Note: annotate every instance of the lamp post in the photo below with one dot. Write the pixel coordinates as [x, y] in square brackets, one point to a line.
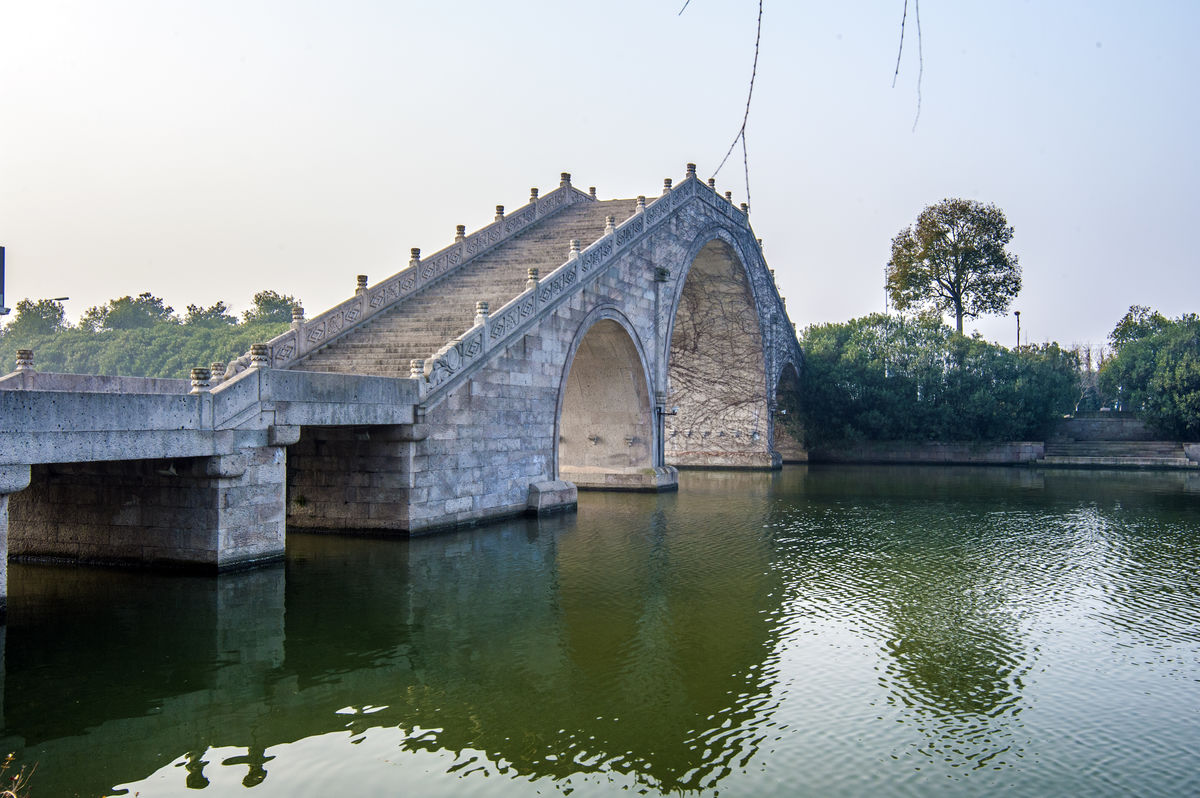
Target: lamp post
[3, 310]
[1017, 313]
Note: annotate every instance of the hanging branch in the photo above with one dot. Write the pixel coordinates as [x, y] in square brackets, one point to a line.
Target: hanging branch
[920, 62]
[900, 52]
[920, 55]
[741, 134]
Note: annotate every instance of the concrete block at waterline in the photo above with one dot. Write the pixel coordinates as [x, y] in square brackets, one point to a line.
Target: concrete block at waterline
[552, 496]
[1192, 450]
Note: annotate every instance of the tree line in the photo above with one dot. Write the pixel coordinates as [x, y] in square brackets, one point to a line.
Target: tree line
[140, 336]
[885, 377]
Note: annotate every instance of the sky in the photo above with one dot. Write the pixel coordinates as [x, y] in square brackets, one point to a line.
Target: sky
[207, 151]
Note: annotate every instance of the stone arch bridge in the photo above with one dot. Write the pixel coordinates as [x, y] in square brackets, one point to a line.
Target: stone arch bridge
[571, 343]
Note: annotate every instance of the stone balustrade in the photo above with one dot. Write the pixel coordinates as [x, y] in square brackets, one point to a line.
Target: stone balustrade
[309, 334]
[459, 357]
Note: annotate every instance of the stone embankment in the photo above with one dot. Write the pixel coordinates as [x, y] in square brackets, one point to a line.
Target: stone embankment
[1101, 441]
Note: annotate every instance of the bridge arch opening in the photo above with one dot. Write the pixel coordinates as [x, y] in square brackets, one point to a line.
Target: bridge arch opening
[787, 430]
[606, 429]
[716, 369]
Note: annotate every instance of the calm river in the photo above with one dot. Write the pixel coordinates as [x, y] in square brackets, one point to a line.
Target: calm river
[820, 631]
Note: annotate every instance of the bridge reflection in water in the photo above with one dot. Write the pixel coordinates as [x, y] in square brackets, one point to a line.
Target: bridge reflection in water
[825, 629]
[553, 646]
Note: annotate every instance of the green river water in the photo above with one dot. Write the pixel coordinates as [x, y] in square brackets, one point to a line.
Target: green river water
[825, 631]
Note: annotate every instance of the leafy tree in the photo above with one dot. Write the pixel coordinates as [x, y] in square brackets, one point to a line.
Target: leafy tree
[43, 317]
[271, 306]
[128, 313]
[954, 259]
[1155, 370]
[214, 316]
[1138, 323]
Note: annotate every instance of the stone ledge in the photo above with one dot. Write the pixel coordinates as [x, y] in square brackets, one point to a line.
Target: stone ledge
[552, 496]
[645, 480]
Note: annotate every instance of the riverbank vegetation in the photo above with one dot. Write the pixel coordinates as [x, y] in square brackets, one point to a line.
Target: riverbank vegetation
[140, 336]
[1155, 370]
[883, 377]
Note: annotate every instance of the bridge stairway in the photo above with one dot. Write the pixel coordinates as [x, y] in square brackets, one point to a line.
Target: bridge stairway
[417, 327]
[1117, 454]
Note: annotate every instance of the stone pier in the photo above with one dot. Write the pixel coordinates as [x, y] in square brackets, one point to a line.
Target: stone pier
[208, 513]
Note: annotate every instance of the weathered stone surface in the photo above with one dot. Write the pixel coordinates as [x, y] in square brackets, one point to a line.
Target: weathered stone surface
[552, 496]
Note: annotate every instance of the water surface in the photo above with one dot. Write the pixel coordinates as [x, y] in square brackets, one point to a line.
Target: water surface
[823, 631]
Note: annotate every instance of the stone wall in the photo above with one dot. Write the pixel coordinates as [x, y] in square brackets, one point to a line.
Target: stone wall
[1012, 453]
[212, 513]
[1104, 427]
[350, 478]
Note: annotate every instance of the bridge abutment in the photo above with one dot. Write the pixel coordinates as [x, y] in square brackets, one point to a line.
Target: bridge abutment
[208, 513]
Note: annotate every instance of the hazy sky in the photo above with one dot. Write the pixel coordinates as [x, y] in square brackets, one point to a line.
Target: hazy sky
[208, 150]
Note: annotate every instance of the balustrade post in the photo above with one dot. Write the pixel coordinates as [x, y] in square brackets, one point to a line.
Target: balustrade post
[25, 360]
[201, 380]
[260, 356]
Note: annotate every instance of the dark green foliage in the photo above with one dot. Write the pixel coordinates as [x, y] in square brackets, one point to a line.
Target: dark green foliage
[129, 313]
[271, 306]
[884, 378]
[43, 317]
[132, 336]
[1155, 370]
[215, 316]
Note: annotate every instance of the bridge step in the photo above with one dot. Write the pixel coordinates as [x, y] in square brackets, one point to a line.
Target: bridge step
[421, 325]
